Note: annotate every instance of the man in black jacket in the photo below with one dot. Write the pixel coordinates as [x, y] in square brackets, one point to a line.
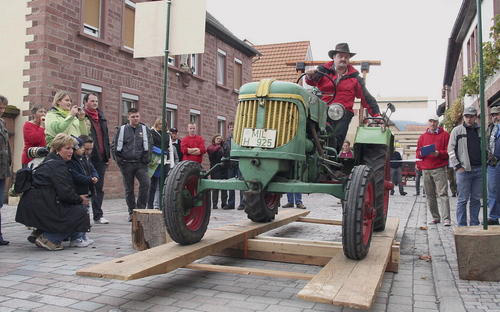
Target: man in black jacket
[132, 148]
[98, 130]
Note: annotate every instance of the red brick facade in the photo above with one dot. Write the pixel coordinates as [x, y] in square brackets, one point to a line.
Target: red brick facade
[62, 57]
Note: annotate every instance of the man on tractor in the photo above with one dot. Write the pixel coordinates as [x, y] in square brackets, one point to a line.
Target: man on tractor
[347, 85]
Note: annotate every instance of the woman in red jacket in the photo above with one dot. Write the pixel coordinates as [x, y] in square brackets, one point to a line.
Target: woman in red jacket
[34, 132]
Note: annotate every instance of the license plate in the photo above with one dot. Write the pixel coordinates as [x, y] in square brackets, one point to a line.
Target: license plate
[259, 138]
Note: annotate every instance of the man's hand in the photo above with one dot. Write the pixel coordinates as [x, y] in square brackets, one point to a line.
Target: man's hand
[85, 199]
[94, 180]
[460, 170]
[193, 151]
[435, 153]
[310, 73]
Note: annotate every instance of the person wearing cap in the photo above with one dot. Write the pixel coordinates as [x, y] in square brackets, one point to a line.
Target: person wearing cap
[434, 167]
[465, 158]
[176, 141]
[492, 135]
[348, 86]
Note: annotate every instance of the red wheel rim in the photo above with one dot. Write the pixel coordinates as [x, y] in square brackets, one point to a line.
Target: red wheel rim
[194, 219]
[368, 213]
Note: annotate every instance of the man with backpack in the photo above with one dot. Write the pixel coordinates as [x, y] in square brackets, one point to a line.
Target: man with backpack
[493, 165]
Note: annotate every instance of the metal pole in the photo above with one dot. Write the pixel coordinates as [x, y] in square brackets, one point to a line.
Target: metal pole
[164, 106]
[483, 113]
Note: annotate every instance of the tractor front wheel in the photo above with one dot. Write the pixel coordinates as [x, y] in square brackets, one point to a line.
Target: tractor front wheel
[261, 206]
[358, 213]
[186, 212]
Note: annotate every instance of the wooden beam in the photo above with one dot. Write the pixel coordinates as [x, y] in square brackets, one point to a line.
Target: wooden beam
[353, 283]
[249, 271]
[273, 256]
[170, 256]
[320, 221]
[393, 265]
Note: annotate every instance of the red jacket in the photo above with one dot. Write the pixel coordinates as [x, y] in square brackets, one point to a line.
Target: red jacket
[350, 86]
[440, 139]
[34, 136]
[191, 142]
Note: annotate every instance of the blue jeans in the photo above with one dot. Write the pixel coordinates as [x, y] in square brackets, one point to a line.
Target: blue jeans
[57, 238]
[298, 198]
[494, 209]
[469, 190]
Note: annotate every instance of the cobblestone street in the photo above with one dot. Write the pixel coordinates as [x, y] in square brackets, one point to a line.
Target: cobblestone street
[32, 279]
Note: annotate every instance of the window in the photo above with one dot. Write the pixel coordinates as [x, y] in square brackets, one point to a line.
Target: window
[92, 17]
[128, 101]
[171, 61]
[238, 66]
[128, 24]
[194, 118]
[221, 67]
[171, 115]
[193, 62]
[87, 89]
[221, 126]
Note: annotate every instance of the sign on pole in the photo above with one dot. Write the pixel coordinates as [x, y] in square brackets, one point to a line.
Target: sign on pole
[187, 28]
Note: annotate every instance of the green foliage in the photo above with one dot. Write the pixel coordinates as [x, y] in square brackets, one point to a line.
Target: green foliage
[491, 62]
[453, 115]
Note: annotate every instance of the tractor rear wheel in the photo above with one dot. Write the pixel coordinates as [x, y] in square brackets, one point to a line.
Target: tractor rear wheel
[377, 157]
[261, 206]
[186, 212]
[358, 213]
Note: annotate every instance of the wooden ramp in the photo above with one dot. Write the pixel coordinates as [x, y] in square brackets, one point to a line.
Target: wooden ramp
[171, 256]
[353, 283]
[341, 281]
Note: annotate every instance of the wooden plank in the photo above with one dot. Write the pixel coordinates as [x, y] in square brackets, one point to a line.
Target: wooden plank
[273, 256]
[320, 221]
[294, 248]
[298, 240]
[170, 256]
[393, 265]
[249, 271]
[353, 283]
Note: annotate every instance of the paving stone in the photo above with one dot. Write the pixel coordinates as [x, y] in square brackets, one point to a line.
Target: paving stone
[86, 305]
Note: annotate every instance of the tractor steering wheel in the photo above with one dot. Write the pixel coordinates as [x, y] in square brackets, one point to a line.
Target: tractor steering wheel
[330, 94]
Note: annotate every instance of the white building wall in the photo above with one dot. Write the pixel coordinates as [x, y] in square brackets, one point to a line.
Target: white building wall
[13, 25]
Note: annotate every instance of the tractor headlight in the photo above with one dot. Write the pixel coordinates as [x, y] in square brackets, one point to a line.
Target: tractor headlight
[336, 111]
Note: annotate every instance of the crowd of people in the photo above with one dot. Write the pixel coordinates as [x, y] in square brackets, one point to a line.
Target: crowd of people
[68, 183]
[454, 160]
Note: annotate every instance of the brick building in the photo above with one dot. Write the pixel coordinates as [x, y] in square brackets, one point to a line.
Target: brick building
[85, 46]
[462, 54]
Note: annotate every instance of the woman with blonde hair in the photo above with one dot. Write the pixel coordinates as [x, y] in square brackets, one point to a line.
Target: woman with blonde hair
[63, 117]
[52, 205]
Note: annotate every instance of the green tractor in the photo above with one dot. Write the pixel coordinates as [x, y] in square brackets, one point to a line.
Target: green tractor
[283, 143]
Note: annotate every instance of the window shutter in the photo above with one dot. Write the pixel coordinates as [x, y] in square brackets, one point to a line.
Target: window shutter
[237, 75]
[128, 27]
[91, 13]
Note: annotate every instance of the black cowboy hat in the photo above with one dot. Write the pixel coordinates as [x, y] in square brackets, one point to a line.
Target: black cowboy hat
[340, 48]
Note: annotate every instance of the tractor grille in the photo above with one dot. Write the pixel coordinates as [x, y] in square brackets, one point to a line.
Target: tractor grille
[280, 115]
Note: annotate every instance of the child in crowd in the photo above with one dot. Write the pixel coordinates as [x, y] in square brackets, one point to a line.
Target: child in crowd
[84, 176]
